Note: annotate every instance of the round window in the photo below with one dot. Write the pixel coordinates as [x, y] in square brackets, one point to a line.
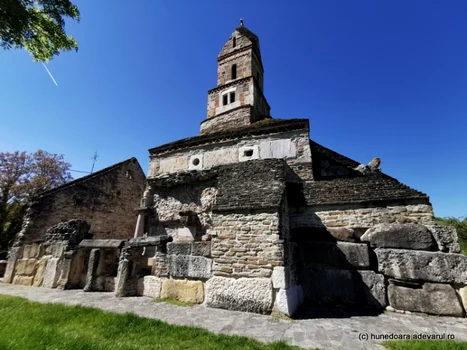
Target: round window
[195, 161]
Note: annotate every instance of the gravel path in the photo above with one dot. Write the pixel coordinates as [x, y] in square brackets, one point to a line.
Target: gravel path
[323, 333]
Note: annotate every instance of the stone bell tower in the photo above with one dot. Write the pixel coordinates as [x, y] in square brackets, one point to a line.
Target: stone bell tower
[238, 99]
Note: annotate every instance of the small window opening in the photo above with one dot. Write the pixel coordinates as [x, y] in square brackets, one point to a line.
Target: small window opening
[232, 97]
[195, 161]
[225, 100]
[248, 153]
[234, 71]
[234, 42]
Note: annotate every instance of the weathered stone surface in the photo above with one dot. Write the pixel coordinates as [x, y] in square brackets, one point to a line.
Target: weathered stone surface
[277, 149]
[189, 266]
[109, 284]
[51, 274]
[41, 265]
[72, 231]
[23, 280]
[463, 295]
[3, 264]
[183, 290]
[201, 249]
[182, 248]
[101, 243]
[420, 265]
[149, 241]
[341, 255]
[404, 236]
[93, 264]
[432, 298]
[150, 286]
[13, 256]
[243, 294]
[446, 238]
[32, 251]
[26, 267]
[345, 234]
[280, 277]
[332, 286]
[288, 300]
[56, 249]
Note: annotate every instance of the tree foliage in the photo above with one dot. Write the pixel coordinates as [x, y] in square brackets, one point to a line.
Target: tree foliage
[37, 26]
[461, 226]
[23, 176]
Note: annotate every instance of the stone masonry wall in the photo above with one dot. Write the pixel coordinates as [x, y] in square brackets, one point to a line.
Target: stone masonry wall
[362, 217]
[293, 146]
[246, 245]
[106, 201]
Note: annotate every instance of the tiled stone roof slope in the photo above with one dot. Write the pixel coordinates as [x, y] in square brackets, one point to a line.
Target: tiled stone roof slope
[353, 187]
[256, 184]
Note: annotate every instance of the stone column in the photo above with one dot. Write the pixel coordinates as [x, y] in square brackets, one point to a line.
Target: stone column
[159, 268]
[92, 268]
[139, 231]
[123, 274]
[65, 270]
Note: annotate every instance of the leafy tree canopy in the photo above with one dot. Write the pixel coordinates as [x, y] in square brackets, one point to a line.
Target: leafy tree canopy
[37, 26]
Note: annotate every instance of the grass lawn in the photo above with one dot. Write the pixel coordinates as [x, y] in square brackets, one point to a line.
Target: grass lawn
[26, 325]
[425, 345]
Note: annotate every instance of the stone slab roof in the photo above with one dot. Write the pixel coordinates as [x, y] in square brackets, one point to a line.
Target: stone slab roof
[89, 177]
[353, 187]
[255, 184]
[262, 127]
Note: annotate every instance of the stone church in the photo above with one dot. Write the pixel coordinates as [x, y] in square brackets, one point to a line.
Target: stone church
[252, 215]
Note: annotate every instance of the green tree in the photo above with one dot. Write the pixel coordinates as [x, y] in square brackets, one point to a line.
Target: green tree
[461, 226]
[37, 26]
[23, 176]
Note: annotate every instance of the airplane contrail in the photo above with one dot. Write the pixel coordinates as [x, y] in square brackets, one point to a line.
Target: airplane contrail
[50, 74]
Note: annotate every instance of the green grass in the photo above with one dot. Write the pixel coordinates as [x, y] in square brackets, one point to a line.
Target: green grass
[172, 301]
[425, 345]
[26, 325]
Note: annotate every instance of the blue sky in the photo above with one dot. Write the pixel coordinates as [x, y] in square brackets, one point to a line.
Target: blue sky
[376, 79]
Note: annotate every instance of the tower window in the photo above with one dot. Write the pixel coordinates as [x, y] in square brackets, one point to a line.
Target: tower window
[234, 42]
[225, 100]
[232, 97]
[234, 71]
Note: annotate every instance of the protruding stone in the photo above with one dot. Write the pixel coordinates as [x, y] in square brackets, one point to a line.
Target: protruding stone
[432, 298]
[39, 277]
[446, 238]
[182, 248]
[342, 255]
[403, 236]
[345, 234]
[280, 278]
[420, 265]
[463, 295]
[288, 300]
[52, 272]
[150, 286]
[243, 294]
[183, 290]
[23, 280]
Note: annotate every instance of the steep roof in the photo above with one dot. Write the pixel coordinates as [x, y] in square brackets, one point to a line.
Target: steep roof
[89, 177]
[343, 185]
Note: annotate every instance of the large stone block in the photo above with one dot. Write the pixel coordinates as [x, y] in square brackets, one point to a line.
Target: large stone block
[52, 273]
[183, 290]
[345, 234]
[288, 300]
[201, 249]
[432, 298]
[32, 251]
[341, 255]
[182, 248]
[56, 249]
[446, 238]
[277, 149]
[23, 280]
[280, 277]
[463, 295]
[26, 267]
[39, 277]
[150, 286]
[420, 265]
[333, 286]
[243, 294]
[404, 236]
[189, 266]
[13, 256]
